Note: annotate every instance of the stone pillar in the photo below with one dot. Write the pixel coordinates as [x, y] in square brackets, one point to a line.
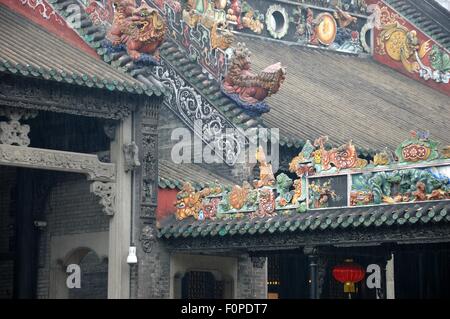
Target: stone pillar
[252, 277]
[151, 274]
[390, 283]
[119, 227]
[313, 269]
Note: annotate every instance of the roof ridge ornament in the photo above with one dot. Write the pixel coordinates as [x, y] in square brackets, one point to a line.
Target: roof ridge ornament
[139, 30]
[248, 89]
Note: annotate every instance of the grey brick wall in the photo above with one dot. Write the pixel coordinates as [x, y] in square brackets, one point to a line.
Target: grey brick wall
[94, 279]
[7, 186]
[150, 277]
[252, 279]
[70, 209]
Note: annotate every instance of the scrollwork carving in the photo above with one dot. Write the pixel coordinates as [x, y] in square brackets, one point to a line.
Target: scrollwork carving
[184, 100]
[147, 238]
[34, 95]
[107, 193]
[57, 161]
[13, 132]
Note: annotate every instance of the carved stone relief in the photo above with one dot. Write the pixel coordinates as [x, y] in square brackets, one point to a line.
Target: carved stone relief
[131, 154]
[13, 132]
[258, 262]
[147, 238]
[107, 193]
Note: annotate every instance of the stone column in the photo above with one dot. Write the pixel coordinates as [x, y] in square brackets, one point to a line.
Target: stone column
[151, 274]
[390, 283]
[119, 227]
[252, 277]
[315, 282]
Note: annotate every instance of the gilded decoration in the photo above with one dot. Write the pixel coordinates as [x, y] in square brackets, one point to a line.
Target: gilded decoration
[402, 44]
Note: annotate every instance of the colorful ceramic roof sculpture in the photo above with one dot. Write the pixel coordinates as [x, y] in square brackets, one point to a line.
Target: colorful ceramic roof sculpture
[334, 189]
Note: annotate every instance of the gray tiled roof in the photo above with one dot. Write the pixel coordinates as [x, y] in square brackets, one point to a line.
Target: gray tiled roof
[173, 175]
[347, 98]
[29, 50]
[313, 220]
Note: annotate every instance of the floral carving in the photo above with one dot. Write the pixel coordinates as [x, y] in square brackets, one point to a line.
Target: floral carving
[343, 157]
[417, 148]
[147, 237]
[13, 132]
[107, 193]
[58, 161]
[44, 9]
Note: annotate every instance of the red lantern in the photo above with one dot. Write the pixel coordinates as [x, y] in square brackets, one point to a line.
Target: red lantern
[349, 274]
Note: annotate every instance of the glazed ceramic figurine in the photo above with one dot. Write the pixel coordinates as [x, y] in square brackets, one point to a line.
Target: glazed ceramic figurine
[141, 29]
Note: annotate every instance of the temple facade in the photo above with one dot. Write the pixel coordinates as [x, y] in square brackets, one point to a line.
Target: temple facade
[224, 149]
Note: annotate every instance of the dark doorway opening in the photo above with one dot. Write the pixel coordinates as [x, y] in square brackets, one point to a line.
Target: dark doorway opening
[201, 285]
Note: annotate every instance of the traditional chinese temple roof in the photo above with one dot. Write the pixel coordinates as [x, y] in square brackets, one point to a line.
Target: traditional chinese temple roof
[347, 97]
[28, 50]
[173, 176]
[428, 15]
[399, 215]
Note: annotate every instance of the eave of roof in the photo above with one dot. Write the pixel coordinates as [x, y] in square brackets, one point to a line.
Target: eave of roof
[28, 50]
[338, 219]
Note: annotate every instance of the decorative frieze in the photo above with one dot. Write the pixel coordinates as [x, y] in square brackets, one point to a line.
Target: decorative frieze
[57, 161]
[147, 237]
[106, 191]
[192, 107]
[34, 95]
[13, 132]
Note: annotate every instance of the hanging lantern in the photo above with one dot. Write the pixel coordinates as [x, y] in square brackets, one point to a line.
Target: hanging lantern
[349, 274]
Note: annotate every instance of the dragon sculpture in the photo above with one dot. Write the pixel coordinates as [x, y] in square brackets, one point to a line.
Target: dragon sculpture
[140, 29]
[247, 89]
